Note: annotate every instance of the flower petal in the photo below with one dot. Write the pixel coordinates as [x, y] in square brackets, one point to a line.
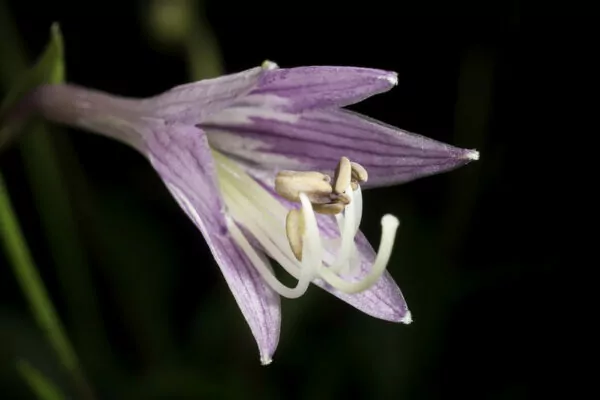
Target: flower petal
[181, 156]
[321, 87]
[192, 102]
[316, 139]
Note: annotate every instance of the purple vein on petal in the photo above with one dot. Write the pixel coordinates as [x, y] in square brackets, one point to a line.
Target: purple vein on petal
[318, 138]
[325, 86]
[192, 102]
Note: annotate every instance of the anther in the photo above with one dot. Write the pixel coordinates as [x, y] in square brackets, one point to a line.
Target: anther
[294, 229]
[329, 208]
[316, 186]
[326, 197]
[359, 174]
[342, 176]
[341, 198]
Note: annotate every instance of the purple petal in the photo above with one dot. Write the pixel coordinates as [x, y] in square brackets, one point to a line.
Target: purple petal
[181, 156]
[192, 102]
[321, 87]
[316, 139]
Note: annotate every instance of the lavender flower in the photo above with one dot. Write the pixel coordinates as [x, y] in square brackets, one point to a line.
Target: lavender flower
[268, 165]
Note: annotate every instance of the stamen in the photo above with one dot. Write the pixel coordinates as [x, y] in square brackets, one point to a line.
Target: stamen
[329, 209]
[289, 185]
[347, 233]
[263, 266]
[326, 199]
[389, 225]
[342, 176]
[294, 229]
[266, 233]
[312, 238]
[359, 173]
[245, 206]
[358, 207]
[341, 198]
[244, 213]
[297, 244]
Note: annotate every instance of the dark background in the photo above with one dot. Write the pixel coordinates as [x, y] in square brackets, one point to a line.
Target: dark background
[143, 301]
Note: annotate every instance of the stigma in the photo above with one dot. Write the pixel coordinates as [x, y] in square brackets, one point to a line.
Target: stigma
[292, 237]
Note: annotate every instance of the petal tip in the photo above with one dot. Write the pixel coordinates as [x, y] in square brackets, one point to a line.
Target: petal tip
[269, 65]
[391, 77]
[407, 318]
[472, 155]
[265, 360]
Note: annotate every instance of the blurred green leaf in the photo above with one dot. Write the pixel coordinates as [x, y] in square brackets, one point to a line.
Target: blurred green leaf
[203, 53]
[50, 162]
[31, 283]
[38, 158]
[43, 388]
[49, 68]
[182, 24]
[21, 338]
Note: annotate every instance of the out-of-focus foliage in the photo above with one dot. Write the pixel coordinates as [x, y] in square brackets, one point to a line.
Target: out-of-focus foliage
[49, 68]
[40, 385]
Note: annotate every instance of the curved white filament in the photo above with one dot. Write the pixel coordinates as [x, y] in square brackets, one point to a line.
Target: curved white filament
[244, 213]
[264, 269]
[347, 226]
[358, 207]
[389, 225]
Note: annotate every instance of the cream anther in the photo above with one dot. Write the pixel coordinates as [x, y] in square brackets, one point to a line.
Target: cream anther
[294, 229]
[342, 176]
[316, 186]
[359, 174]
[341, 198]
[329, 208]
[326, 197]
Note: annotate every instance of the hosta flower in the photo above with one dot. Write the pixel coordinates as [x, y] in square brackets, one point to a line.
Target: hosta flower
[270, 167]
